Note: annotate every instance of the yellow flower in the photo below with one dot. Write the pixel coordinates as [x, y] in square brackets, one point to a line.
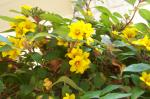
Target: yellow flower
[61, 42]
[129, 33]
[88, 30]
[89, 13]
[21, 17]
[74, 52]
[89, 40]
[79, 64]
[26, 7]
[72, 96]
[14, 53]
[2, 44]
[76, 30]
[80, 30]
[145, 78]
[47, 84]
[18, 42]
[13, 25]
[28, 26]
[40, 43]
[115, 33]
[41, 97]
[79, 60]
[10, 66]
[143, 42]
[23, 27]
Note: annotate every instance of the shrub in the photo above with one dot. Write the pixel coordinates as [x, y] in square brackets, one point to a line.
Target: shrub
[80, 58]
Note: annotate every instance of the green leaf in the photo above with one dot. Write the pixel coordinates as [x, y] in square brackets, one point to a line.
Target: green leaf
[103, 10]
[36, 57]
[1, 86]
[5, 48]
[62, 31]
[105, 20]
[99, 80]
[26, 89]
[118, 43]
[52, 17]
[117, 14]
[91, 94]
[68, 81]
[114, 19]
[109, 89]
[136, 93]
[116, 95]
[145, 14]
[132, 2]
[148, 1]
[6, 31]
[85, 85]
[4, 39]
[96, 94]
[38, 35]
[142, 27]
[135, 79]
[65, 89]
[15, 11]
[137, 67]
[5, 18]
[11, 75]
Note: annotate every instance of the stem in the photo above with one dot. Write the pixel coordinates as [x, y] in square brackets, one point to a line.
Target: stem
[135, 10]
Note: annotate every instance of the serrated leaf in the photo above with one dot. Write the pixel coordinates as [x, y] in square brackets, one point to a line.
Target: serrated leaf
[145, 14]
[137, 67]
[116, 95]
[68, 81]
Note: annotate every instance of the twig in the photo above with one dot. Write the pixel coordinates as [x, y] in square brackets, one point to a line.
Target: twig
[135, 10]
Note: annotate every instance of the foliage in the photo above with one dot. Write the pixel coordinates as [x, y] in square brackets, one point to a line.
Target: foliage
[78, 58]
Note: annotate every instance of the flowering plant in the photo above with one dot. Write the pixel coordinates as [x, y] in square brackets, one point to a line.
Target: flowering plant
[78, 58]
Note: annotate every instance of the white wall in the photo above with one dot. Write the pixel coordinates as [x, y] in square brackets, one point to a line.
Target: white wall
[63, 7]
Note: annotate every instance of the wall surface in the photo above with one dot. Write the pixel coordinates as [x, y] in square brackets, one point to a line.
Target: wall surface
[63, 7]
